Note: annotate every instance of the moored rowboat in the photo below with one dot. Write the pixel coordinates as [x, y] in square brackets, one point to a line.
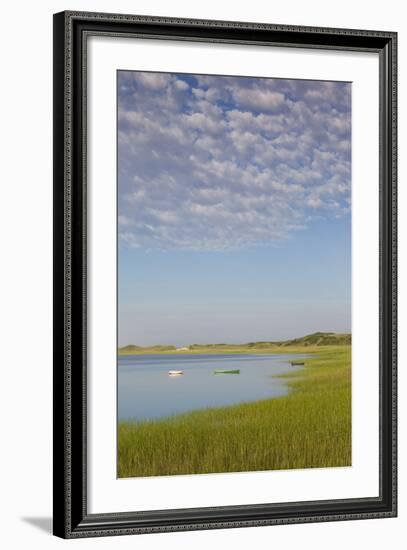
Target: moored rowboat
[235, 371]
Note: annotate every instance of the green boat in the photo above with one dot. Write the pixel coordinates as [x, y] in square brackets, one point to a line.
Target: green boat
[236, 371]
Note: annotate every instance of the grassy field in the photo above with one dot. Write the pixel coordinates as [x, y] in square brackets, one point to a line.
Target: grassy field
[309, 428]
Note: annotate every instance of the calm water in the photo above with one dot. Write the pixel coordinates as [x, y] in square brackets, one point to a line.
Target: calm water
[146, 391]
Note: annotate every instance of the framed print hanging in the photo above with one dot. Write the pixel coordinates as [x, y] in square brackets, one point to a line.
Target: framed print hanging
[224, 274]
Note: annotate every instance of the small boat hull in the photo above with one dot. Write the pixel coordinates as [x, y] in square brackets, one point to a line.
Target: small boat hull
[235, 371]
[297, 364]
[175, 372]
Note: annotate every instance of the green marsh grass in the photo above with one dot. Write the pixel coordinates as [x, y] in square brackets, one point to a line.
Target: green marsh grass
[309, 428]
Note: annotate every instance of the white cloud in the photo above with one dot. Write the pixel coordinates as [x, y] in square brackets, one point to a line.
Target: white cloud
[258, 99]
[181, 85]
[153, 81]
[223, 162]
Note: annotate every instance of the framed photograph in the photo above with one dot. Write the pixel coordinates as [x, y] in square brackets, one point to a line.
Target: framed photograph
[224, 274]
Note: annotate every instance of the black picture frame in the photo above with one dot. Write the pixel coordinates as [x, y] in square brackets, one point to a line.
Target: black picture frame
[71, 518]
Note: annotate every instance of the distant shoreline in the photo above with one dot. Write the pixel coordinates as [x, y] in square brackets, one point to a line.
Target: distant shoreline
[296, 345]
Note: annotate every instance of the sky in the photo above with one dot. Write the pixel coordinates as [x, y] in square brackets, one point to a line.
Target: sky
[234, 208]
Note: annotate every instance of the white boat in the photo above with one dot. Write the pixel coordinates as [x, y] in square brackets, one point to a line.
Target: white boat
[175, 372]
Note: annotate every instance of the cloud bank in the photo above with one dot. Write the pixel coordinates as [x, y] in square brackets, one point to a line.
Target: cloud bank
[219, 162]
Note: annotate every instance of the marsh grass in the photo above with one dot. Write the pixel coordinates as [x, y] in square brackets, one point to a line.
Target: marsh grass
[309, 428]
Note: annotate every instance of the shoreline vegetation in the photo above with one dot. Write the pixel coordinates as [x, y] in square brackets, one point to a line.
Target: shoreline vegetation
[315, 340]
[309, 428]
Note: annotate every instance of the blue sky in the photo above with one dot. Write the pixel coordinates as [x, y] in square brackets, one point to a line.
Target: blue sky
[233, 208]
